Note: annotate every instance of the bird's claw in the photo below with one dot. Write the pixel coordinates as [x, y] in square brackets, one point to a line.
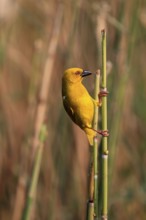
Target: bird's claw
[104, 133]
[102, 93]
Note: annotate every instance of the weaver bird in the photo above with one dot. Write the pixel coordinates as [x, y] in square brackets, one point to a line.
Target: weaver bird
[78, 103]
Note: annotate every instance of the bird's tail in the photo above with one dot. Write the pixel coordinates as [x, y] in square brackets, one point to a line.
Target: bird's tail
[90, 135]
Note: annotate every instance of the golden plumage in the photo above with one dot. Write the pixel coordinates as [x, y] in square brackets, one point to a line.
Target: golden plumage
[77, 102]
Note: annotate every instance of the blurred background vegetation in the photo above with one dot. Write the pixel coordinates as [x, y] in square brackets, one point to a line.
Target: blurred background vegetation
[26, 36]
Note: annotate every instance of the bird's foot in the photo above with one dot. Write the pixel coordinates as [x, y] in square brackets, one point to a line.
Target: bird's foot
[102, 93]
[104, 133]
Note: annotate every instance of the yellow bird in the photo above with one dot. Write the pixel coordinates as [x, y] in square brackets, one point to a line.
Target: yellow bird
[77, 102]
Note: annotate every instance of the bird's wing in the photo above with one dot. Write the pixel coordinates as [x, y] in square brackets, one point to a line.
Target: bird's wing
[68, 109]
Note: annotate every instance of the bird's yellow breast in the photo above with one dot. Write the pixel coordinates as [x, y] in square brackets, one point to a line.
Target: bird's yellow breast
[81, 102]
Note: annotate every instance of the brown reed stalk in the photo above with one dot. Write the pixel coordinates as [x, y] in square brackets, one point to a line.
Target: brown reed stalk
[42, 105]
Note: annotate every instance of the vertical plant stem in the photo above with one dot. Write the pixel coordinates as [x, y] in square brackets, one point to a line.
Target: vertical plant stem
[95, 145]
[123, 71]
[90, 214]
[46, 77]
[35, 175]
[93, 169]
[95, 163]
[104, 174]
[90, 203]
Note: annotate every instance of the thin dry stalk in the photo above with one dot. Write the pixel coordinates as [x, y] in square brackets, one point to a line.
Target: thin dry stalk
[119, 95]
[42, 106]
[46, 80]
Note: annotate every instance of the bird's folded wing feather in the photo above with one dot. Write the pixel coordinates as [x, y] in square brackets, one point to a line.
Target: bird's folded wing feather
[69, 110]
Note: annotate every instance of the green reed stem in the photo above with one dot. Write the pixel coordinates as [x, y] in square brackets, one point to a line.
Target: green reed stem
[35, 175]
[95, 145]
[90, 213]
[93, 169]
[104, 174]
[90, 203]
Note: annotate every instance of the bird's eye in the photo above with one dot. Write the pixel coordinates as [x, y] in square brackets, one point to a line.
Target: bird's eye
[77, 73]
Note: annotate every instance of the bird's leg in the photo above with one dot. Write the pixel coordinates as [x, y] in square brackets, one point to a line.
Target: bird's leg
[102, 93]
[104, 133]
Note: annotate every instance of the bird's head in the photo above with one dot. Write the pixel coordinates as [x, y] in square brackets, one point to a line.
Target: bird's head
[74, 75]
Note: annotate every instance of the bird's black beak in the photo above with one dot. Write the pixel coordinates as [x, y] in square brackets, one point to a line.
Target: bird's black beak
[85, 73]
